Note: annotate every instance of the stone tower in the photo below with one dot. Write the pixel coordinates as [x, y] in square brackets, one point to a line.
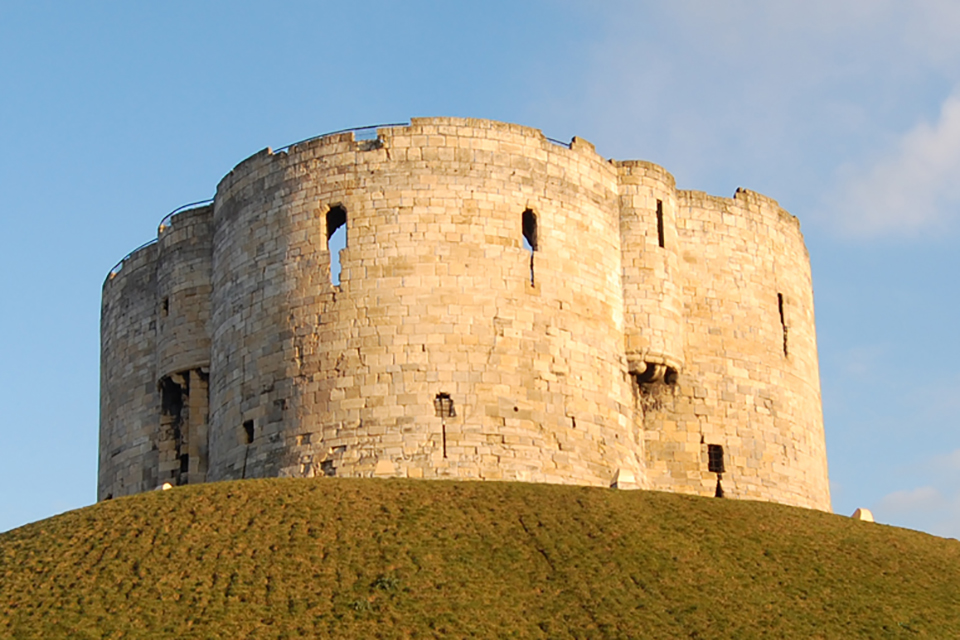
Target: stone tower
[506, 307]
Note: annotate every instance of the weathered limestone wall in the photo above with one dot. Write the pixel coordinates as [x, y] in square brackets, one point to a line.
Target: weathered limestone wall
[184, 267]
[435, 297]
[653, 299]
[129, 404]
[184, 288]
[587, 322]
[739, 388]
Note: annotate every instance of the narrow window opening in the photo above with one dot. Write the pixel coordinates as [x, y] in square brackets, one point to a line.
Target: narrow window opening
[530, 237]
[336, 240]
[165, 307]
[660, 223]
[443, 406]
[715, 458]
[715, 464]
[248, 431]
[783, 323]
[174, 426]
[184, 465]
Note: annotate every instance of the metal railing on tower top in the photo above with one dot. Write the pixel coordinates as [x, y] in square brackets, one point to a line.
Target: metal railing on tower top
[366, 132]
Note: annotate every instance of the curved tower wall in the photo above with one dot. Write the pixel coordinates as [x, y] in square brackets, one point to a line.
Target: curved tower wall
[253, 363]
[436, 298]
[184, 267]
[740, 389]
[129, 406]
[183, 290]
[653, 302]
[507, 308]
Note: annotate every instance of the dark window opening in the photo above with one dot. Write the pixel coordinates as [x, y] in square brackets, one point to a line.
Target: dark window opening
[660, 222]
[174, 424]
[185, 463]
[783, 323]
[165, 307]
[443, 405]
[530, 230]
[715, 458]
[248, 430]
[171, 398]
[327, 468]
[336, 239]
[530, 243]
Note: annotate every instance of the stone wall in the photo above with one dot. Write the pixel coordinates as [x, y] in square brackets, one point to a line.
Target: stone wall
[750, 383]
[508, 308]
[129, 403]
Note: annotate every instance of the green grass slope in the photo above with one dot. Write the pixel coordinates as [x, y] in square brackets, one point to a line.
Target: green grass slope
[338, 558]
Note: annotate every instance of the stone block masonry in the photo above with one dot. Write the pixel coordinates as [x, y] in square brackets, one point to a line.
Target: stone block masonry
[507, 308]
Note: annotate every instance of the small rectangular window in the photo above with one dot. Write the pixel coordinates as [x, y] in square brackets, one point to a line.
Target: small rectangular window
[443, 405]
[715, 458]
[248, 430]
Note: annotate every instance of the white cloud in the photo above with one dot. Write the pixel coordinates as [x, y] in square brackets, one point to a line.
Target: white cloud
[778, 96]
[948, 464]
[927, 499]
[915, 188]
[933, 507]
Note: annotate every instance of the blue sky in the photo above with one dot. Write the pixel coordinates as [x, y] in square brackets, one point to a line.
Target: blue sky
[848, 112]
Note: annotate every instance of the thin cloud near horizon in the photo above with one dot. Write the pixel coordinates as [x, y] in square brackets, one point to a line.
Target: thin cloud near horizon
[824, 106]
[914, 189]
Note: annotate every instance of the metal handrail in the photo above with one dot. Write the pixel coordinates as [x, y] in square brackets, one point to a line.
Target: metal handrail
[165, 222]
[160, 229]
[166, 219]
[333, 133]
[117, 267]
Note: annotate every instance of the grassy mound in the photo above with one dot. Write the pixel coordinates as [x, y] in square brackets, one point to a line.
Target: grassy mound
[339, 558]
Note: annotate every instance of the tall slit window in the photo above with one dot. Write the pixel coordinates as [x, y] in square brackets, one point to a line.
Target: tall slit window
[660, 223]
[783, 323]
[336, 239]
[530, 237]
[715, 458]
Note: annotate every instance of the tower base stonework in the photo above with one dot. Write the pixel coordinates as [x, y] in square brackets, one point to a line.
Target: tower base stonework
[502, 307]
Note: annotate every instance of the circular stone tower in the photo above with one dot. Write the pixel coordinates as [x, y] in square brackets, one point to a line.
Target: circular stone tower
[467, 299]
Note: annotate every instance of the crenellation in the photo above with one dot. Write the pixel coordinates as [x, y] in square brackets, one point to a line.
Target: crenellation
[609, 335]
